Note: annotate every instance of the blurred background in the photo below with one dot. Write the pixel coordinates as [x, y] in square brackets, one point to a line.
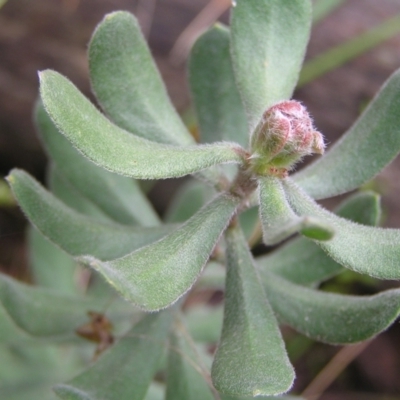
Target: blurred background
[40, 34]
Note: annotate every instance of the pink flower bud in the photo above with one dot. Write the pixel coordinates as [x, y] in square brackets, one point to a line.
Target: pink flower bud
[283, 137]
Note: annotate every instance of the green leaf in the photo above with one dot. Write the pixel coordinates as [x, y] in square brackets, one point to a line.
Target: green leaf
[322, 8]
[364, 249]
[119, 197]
[251, 359]
[370, 144]
[117, 150]
[278, 219]
[269, 39]
[43, 313]
[51, 267]
[74, 232]
[130, 89]
[218, 105]
[349, 50]
[329, 317]
[157, 275]
[185, 377]
[303, 262]
[124, 371]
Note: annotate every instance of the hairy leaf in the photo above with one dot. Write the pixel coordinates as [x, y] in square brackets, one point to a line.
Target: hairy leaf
[124, 371]
[269, 38]
[329, 317]
[218, 105]
[157, 275]
[74, 232]
[251, 359]
[364, 249]
[365, 149]
[130, 88]
[119, 197]
[117, 150]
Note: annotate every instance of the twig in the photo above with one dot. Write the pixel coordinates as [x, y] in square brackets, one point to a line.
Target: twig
[331, 371]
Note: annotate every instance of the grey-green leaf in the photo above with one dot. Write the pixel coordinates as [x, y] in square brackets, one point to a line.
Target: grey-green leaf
[251, 359]
[124, 371]
[185, 376]
[73, 232]
[157, 275]
[329, 317]
[119, 197]
[269, 39]
[303, 262]
[217, 101]
[44, 313]
[365, 149]
[364, 249]
[129, 88]
[278, 219]
[117, 150]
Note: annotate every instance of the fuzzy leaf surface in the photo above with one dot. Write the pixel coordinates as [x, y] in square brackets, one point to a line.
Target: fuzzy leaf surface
[269, 39]
[124, 371]
[216, 98]
[130, 89]
[43, 313]
[155, 276]
[251, 359]
[117, 150]
[368, 250]
[73, 232]
[363, 151]
[119, 197]
[278, 219]
[185, 380]
[304, 262]
[318, 314]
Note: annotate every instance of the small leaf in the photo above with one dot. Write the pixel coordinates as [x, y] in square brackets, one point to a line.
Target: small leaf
[218, 105]
[364, 249]
[74, 232]
[124, 371]
[185, 380]
[119, 197]
[43, 313]
[329, 317]
[157, 275]
[278, 219]
[130, 88]
[269, 39]
[118, 151]
[251, 359]
[366, 148]
[51, 267]
[303, 262]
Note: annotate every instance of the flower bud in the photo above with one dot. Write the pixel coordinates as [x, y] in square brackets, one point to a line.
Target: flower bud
[283, 137]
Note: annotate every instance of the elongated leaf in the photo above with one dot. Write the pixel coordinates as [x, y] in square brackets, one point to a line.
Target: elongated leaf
[118, 196]
[130, 88]
[43, 313]
[251, 359]
[51, 267]
[322, 8]
[157, 275]
[125, 371]
[269, 38]
[74, 232]
[115, 149]
[329, 317]
[218, 105]
[278, 219]
[303, 262]
[364, 249]
[185, 380]
[371, 144]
